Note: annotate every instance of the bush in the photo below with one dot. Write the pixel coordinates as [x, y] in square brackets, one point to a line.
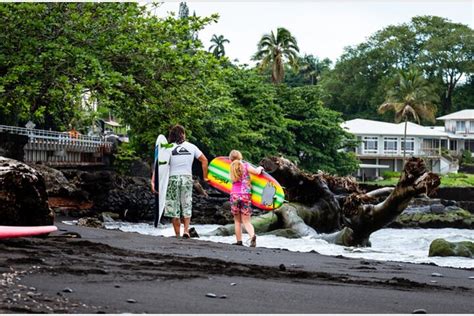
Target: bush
[390, 174]
[124, 158]
[466, 157]
[456, 175]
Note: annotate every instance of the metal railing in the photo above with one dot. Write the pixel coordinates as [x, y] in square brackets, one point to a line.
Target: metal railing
[54, 147]
[60, 137]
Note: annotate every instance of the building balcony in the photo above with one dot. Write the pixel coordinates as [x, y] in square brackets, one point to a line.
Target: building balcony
[425, 152]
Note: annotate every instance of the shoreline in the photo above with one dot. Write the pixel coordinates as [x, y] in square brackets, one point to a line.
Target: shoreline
[117, 272]
[388, 244]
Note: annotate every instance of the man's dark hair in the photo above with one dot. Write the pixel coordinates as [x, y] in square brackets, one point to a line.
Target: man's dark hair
[176, 134]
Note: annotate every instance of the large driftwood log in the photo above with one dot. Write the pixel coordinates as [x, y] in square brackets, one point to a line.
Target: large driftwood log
[335, 206]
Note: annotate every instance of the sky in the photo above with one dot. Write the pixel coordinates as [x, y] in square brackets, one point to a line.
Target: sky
[322, 27]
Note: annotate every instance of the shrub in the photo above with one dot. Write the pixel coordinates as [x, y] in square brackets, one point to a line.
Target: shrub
[124, 158]
[391, 174]
[466, 157]
[457, 175]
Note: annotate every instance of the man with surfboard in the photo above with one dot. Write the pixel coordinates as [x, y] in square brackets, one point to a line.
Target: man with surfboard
[180, 184]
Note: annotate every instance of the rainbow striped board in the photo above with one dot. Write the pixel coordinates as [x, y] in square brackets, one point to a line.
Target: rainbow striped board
[267, 193]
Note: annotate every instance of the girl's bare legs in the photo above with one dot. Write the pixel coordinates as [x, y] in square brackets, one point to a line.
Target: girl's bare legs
[238, 227]
[248, 225]
[249, 228]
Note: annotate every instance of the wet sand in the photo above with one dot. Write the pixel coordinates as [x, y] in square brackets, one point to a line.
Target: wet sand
[107, 271]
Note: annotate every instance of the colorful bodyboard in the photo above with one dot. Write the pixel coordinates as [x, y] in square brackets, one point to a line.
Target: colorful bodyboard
[162, 170]
[25, 231]
[267, 193]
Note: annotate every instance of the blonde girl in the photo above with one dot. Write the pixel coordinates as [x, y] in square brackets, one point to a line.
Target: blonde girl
[240, 196]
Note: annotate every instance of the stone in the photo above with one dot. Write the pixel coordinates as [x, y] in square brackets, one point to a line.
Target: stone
[90, 222]
[109, 216]
[452, 208]
[419, 311]
[436, 274]
[23, 196]
[211, 295]
[442, 248]
[437, 208]
[68, 290]
[282, 267]
[223, 296]
[131, 301]
[193, 233]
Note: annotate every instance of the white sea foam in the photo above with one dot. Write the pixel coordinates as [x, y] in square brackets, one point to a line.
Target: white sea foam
[404, 245]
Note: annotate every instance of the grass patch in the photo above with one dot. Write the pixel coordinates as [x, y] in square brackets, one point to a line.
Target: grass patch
[461, 180]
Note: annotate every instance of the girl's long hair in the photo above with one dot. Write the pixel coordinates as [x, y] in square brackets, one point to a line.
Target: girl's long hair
[176, 135]
[236, 165]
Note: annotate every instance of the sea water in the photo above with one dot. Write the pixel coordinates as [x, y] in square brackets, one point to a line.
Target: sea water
[403, 245]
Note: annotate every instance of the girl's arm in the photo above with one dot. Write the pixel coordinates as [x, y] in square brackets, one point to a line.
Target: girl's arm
[253, 170]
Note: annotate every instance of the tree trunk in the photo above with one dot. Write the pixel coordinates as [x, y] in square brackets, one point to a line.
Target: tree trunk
[405, 141]
[321, 203]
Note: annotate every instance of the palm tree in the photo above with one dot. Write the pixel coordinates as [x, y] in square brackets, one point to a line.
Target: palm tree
[413, 96]
[218, 46]
[311, 67]
[272, 50]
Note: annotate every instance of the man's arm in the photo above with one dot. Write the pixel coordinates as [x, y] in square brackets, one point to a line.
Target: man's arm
[203, 161]
[153, 182]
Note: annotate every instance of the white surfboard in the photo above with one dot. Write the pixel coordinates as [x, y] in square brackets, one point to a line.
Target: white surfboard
[162, 157]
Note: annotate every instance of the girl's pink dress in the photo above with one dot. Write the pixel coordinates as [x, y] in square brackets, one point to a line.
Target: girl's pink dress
[240, 195]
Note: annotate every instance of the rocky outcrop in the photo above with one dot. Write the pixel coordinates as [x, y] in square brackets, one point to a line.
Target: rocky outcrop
[443, 248]
[23, 197]
[80, 193]
[464, 196]
[11, 145]
[424, 212]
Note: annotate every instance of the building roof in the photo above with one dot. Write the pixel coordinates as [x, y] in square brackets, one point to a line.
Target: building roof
[112, 123]
[370, 127]
[460, 115]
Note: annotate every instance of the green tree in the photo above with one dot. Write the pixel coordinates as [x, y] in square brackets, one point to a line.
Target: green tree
[310, 71]
[411, 97]
[312, 68]
[217, 48]
[320, 142]
[183, 12]
[441, 49]
[274, 50]
[463, 96]
[447, 53]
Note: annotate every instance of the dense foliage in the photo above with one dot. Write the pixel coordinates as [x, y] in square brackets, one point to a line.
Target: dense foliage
[441, 49]
[152, 73]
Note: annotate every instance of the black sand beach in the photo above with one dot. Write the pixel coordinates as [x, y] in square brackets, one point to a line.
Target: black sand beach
[116, 272]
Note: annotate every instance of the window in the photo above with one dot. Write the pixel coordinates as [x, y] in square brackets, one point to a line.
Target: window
[471, 127]
[390, 145]
[370, 145]
[460, 126]
[410, 141]
[453, 145]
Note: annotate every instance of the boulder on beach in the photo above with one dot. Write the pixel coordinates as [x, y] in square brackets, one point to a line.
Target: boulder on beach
[23, 197]
[443, 248]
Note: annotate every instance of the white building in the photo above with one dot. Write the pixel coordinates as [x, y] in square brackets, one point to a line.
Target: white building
[460, 129]
[381, 143]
